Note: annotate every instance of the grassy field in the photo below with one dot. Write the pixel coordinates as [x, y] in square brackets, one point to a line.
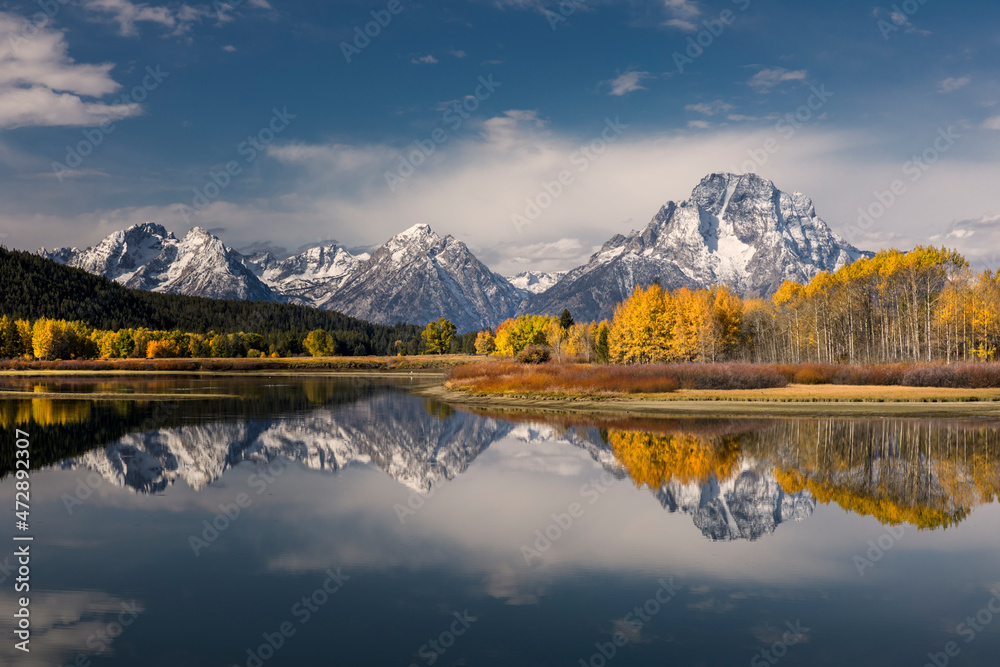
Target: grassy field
[838, 393]
[730, 389]
[791, 401]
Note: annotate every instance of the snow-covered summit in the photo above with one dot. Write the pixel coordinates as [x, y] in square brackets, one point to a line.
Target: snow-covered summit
[147, 256]
[737, 230]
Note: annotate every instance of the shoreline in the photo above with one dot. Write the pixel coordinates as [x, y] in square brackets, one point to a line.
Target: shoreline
[423, 364]
[863, 401]
[938, 403]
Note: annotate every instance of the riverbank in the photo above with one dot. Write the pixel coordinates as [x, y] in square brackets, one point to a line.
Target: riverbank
[791, 401]
[436, 363]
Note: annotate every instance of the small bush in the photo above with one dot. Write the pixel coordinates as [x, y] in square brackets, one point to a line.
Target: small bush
[814, 374]
[534, 354]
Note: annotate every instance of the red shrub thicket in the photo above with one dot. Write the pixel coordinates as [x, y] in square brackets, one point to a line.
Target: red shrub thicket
[502, 377]
[960, 375]
[508, 376]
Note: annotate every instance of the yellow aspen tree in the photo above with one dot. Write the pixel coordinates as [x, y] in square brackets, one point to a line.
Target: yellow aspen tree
[485, 343]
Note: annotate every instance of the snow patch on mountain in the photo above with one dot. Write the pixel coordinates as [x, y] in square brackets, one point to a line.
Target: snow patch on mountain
[535, 282]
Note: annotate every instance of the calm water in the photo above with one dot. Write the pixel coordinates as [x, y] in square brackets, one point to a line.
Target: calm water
[377, 528]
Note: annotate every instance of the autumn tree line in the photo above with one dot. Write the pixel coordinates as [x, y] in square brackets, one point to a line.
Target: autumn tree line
[918, 306]
[879, 468]
[896, 307]
[33, 288]
[541, 337]
[58, 339]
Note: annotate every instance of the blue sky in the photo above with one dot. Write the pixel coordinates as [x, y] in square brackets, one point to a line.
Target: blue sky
[308, 146]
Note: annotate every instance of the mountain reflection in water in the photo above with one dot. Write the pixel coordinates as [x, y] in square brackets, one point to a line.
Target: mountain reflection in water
[736, 479]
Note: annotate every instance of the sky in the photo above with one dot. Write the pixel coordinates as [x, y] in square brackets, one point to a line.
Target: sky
[532, 130]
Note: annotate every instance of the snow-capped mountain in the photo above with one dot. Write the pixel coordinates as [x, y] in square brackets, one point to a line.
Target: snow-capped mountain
[311, 278]
[148, 257]
[747, 507]
[418, 277]
[419, 449]
[535, 282]
[734, 230]
[394, 432]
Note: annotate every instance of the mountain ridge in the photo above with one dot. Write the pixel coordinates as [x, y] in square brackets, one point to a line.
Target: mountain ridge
[737, 230]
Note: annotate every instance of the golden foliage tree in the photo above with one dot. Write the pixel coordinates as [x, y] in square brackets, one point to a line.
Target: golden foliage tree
[485, 343]
[514, 335]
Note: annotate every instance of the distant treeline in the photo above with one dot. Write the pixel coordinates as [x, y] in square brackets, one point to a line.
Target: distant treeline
[77, 304]
[921, 306]
[925, 305]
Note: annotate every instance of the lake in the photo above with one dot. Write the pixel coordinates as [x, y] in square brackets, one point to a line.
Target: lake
[288, 520]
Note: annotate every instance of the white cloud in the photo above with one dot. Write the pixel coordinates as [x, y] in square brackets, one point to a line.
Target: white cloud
[338, 157]
[178, 18]
[65, 621]
[769, 77]
[626, 83]
[127, 15]
[710, 108]
[40, 85]
[699, 124]
[510, 130]
[900, 20]
[992, 123]
[681, 24]
[682, 14]
[458, 53]
[978, 239]
[951, 84]
[429, 59]
[230, 48]
[564, 253]
[682, 8]
[475, 182]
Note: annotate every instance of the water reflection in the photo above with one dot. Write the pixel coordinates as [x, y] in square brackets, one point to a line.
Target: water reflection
[66, 622]
[736, 479]
[483, 486]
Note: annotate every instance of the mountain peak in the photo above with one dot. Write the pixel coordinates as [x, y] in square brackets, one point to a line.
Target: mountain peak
[737, 230]
[147, 256]
[418, 277]
[148, 229]
[416, 231]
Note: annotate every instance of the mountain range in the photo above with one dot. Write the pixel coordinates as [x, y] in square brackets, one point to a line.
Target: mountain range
[735, 230]
[420, 449]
